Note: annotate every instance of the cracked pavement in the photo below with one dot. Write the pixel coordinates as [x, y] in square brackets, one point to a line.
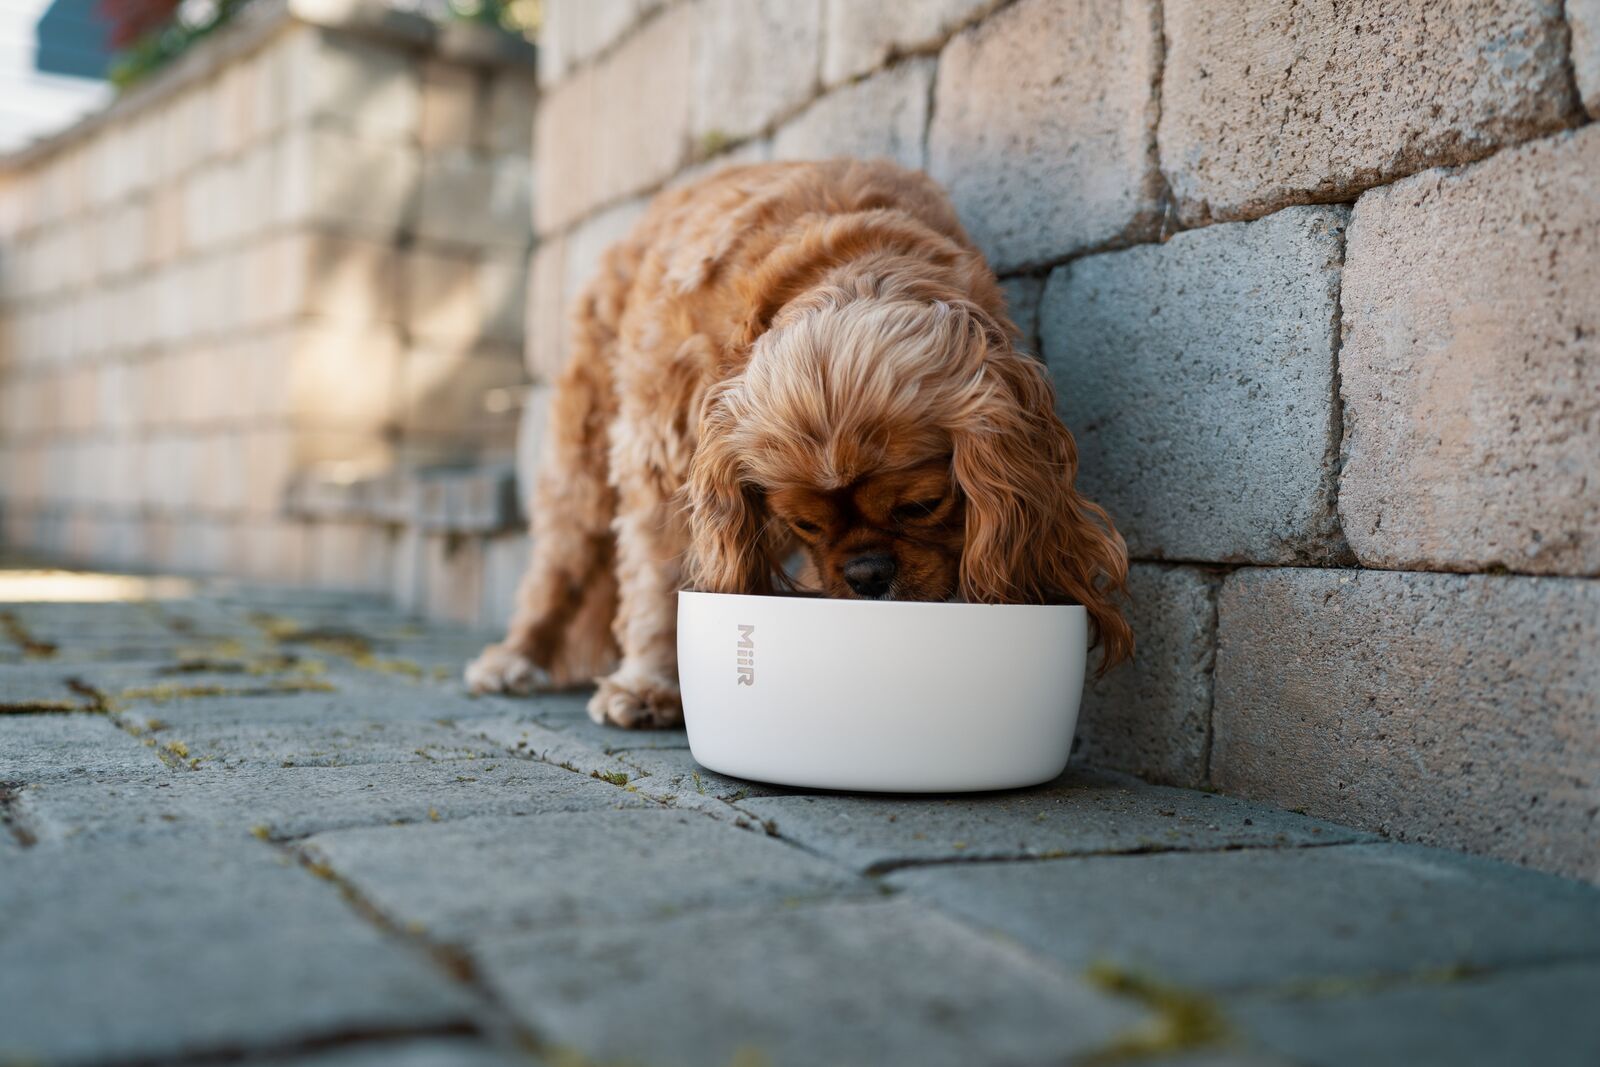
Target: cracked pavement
[268, 827]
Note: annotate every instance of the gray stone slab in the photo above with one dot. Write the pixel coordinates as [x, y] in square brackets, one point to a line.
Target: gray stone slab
[673, 772]
[327, 699]
[566, 712]
[35, 686]
[236, 745]
[417, 1052]
[839, 983]
[530, 740]
[1543, 1015]
[54, 748]
[157, 951]
[478, 879]
[294, 802]
[1080, 813]
[1270, 917]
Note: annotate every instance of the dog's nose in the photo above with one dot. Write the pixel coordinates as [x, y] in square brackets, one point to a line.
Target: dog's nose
[870, 576]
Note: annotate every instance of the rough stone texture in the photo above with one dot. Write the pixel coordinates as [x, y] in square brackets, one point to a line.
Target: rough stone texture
[860, 38]
[1269, 104]
[1583, 18]
[1198, 377]
[213, 803]
[1023, 294]
[885, 116]
[426, 1052]
[673, 772]
[1471, 366]
[1043, 127]
[531, 740]
[755, 61]
[1453, 709]
[617, 127]
[1543, 1016]
[1152, 716]
[479, 880]
[545, 333]
[763, 978]
[246, 745]
[1081, 812]
[1399, 911]
[50, 748]
[153, 952]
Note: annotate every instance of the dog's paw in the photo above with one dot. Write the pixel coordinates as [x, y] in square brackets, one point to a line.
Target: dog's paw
[636, 702]
[501, 669]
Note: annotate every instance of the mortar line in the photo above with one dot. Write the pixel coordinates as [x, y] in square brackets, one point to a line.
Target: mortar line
[886, 867]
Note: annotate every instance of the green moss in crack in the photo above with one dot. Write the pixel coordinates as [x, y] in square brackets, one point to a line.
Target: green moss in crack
[1181, 1020]
[614, 777]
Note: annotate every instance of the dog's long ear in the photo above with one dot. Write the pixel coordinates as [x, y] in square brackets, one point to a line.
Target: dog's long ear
[1031, 538]
[732, 546]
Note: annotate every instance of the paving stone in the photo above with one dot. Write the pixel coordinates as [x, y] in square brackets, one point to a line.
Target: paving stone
[165, 950]
[1207, 428]
[1349, 912]
[673, 772]
[755, 61]
[416, 1052]
[1269, 104]
[1023, 294]
[1471, 366]
[213, 803]
[860, 38]
[883, 117]
[53, 748]
[246, 745]
[896, 984]
[1043, 128]
[530, 740]
[35, 685]
[1452, 709]
[1541, 1015]
[478, 880]
[1082, 812]
[1583, 18]
[567, 713]
[1152, 716]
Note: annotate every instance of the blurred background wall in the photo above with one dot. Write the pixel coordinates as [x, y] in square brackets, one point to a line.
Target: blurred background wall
[1317, 283]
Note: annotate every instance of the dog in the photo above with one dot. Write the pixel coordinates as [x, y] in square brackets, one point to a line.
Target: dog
[792, 359]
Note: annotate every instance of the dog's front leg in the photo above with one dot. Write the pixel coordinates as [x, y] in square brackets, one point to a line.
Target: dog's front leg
[652, 538]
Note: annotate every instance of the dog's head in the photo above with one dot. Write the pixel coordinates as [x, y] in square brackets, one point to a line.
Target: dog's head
[911, 452]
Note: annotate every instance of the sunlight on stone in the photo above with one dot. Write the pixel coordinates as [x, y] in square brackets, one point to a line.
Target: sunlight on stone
[87, 587]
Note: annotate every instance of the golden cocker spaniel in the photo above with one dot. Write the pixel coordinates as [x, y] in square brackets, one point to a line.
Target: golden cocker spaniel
[782, 357]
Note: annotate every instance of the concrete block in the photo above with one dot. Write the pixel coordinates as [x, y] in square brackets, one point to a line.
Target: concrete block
[462, 299]
[1152, 716]
[349, 280]
[586, 245]
[343, 379]
[1456, 710]
[325, 177]
[755, 61]
[860, 38]
[1471, 366]
[639, 97]
[765, 975]
[471, 199]
[317, 968]
[574, 31]
[1542, 1014]
[465, 393]
[1583, 20]
[885, 116]
[217, 804]
[508, 120]
[1200, 921]
[505, 558]
[449, 107]
[1207, 425]
[1082, 812]
[367, 87]
[1024, 293]
[486, 879]
[268, 747]
[545, 332]
[1269, 104]
[1043, 128]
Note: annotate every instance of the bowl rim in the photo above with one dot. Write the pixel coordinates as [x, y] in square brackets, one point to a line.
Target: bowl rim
[857, 606]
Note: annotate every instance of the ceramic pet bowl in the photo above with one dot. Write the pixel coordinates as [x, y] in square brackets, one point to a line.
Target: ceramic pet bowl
[886, 696]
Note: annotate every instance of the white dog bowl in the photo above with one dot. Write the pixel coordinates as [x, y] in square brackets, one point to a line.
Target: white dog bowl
[884, 696]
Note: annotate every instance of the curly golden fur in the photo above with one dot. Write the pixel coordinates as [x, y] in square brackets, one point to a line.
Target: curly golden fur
[791, 357]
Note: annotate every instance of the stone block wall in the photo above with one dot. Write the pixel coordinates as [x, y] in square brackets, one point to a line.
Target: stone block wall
[1318, 284]
[299, 254]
